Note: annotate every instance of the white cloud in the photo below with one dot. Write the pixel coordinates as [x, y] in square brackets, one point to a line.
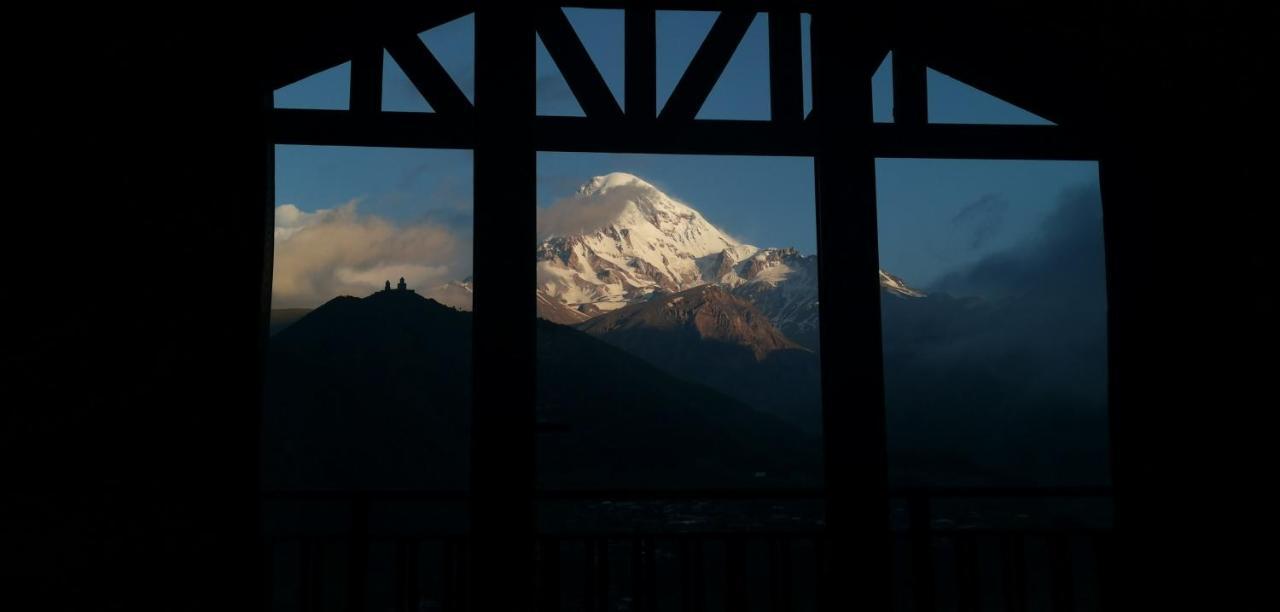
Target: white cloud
[290, 219]
[452, 294]
[414, 275]
[338, 251]
[588, 212]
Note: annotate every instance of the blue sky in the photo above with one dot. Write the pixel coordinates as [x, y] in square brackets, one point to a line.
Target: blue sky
[935, 215]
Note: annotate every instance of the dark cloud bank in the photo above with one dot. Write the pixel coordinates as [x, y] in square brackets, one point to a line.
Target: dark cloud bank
[1000, 376]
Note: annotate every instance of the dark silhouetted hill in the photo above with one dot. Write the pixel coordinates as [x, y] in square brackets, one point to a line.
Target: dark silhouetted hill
[632, 420]
[711, 336]
[369, 393]
[284, 317]
[999, 392]
[374, 393]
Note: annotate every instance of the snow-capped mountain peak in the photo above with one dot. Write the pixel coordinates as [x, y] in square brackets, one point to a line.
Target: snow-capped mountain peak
[601, 184]
[619, 239]
[896, 286]
[455, 294]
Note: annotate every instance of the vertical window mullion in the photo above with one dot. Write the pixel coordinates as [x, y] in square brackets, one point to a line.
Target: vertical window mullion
[854, 437]
[502, 457]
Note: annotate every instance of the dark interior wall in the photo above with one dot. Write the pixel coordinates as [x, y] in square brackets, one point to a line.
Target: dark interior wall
[134, 255]
[1186, 215]
[135, 245]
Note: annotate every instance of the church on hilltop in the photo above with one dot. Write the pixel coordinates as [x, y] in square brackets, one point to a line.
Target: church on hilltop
[400, 286]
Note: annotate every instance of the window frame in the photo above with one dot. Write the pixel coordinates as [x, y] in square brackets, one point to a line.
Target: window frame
[505, 133]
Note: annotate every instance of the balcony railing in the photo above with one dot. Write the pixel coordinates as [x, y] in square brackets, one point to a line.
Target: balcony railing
[941, 560]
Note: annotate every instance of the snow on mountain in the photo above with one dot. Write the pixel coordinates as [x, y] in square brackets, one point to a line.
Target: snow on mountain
[619, 239]
[455, 294]
[706, 312]
[783, 284]
[630, 240]
[554, 310]
[895, 286]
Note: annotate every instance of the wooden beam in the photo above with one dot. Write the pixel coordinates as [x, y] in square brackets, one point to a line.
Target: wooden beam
[319, 46]
[910, 88]
[579, 71]
[304, 45]
[704, 137]
[708, 137]
[383, 129]
[596, 494]
[689, 5]
[641, 63]
[366, 80]
[920, 540]
[957, 141]
[786, 67]
[1056, 72]
[707, 64]
[855, 456]
[429, 76]
[503, 452]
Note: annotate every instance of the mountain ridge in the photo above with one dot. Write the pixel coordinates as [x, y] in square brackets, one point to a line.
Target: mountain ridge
[709, 335]
[375, 393]
[645, 242]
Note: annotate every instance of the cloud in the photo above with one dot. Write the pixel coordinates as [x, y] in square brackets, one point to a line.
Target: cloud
[449, 176]
[1011, 375]
[338, 251]
[1064, 258]
[585, 213]
[983, 219]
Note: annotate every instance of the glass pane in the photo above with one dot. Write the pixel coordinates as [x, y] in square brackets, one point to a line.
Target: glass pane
[995, 371]
[603, 33]
[399, 94]
[679, 34]
[742, 92]
[882, 91]
[367, 393]
[325, 90]
[996, 367]
[806, 60]
[952, 101]
[453, 44]
[679, 304]
[368, 377]
[553, 96]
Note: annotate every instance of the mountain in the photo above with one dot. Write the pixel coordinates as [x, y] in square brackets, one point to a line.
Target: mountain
[651, 275]
[682, 332]
[281, 318]
[625, 240]
[359, 388]
[551, 309]
[375, 393]
[619, 239]
[897, 287]
[456, 294]
[629, 240]
[706, 313]
[995, 391]
[711, 336]
[631, 424]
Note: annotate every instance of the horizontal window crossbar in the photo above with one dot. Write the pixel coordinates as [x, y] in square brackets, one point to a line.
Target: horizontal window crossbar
[703, 137]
